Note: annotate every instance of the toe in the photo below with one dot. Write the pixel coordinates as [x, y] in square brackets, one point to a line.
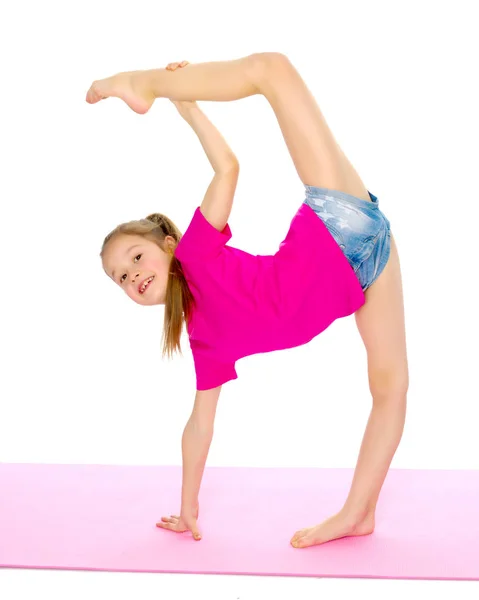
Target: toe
[299, 533]
[304, 542]
[298, 542]
[296, 539]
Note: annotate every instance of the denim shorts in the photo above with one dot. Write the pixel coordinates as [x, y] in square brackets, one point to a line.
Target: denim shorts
[360, 229]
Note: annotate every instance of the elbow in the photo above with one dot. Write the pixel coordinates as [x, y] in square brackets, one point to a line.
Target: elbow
[229, 166]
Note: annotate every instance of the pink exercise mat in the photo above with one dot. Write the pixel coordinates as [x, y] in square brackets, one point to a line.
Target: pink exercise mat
[102, 518]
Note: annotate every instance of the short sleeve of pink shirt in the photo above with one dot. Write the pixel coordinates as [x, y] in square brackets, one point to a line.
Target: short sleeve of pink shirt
[200, 244]
[210, 373]
[201, 240]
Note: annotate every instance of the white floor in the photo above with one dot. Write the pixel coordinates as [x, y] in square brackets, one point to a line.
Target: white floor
[19, 584]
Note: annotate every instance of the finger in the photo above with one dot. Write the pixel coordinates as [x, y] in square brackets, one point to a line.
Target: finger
[168, 520]
[172, 527]
[196, 534]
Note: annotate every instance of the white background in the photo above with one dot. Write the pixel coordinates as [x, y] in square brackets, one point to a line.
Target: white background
[81, 363]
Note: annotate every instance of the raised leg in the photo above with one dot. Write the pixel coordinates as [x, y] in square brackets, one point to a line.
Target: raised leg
[215, 81]
[317, 156]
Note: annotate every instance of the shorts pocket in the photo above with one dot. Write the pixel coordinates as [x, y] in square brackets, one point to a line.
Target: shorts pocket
[337, 235]
[360, 247]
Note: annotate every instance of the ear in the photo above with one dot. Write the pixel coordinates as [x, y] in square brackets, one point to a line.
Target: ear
[170, 243]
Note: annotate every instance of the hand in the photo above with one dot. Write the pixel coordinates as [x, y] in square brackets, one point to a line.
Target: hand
[175, 65]
[184, 106]
[182, 523]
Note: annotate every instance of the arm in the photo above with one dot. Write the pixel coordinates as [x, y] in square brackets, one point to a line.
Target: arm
[219, 154]
[218, 201]
[196, 443]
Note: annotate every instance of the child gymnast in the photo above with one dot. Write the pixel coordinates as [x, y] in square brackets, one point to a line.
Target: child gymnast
[235, 304]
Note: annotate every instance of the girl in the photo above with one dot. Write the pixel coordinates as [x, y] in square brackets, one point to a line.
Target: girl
[236, 304]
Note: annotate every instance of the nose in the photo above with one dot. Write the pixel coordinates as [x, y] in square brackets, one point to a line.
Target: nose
[133, 281]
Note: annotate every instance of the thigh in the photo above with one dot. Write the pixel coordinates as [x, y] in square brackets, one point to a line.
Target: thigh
[381, 324]
[318, 159]
[358, 226]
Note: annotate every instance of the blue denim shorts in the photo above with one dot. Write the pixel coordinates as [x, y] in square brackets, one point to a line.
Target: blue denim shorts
[361, 230]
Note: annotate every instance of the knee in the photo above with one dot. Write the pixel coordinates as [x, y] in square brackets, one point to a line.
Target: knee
[271, 60]
[264, 64]
[389, 384]
[271, 57]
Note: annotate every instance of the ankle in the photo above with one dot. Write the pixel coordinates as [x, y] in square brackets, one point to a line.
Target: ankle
[144, 83]
[355, 515]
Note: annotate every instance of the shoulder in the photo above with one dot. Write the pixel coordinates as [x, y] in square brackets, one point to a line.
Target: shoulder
[201, 239]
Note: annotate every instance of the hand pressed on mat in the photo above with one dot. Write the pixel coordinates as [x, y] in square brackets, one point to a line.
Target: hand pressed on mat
[186, 521]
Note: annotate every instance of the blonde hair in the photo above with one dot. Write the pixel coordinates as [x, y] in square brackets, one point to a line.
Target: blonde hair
[179, 300]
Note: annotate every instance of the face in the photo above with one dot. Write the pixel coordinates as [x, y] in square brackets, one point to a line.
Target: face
[130, 260]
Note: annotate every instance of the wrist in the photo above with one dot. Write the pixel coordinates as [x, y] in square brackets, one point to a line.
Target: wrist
[189, 503]
[190, 509]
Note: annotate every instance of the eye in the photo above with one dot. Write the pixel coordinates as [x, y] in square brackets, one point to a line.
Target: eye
[121, 278]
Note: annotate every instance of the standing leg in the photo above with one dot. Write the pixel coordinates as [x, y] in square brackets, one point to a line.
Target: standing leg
[317, 156]
[381, 324]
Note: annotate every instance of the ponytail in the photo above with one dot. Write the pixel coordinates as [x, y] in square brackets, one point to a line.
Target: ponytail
[179, 300]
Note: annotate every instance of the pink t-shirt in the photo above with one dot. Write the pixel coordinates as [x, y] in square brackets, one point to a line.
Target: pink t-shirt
[248, 304]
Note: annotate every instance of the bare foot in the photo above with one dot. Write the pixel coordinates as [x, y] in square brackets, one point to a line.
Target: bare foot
[337, 526]
[129, 87]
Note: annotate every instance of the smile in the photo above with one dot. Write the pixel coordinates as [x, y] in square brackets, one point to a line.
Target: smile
[145, 285]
